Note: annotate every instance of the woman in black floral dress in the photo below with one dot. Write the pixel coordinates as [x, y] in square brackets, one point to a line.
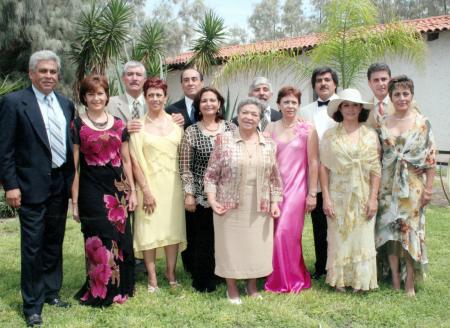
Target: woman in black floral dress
[103, 193]
[196, 147]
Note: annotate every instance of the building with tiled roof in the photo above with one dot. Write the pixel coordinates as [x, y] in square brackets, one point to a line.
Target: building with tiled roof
[429, 26]
[432, 80]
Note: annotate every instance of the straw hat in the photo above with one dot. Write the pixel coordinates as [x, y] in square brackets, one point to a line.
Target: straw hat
[351, 95]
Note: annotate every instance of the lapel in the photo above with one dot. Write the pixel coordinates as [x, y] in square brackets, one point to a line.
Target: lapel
[122, 107]
[68, 114]
[33, 112]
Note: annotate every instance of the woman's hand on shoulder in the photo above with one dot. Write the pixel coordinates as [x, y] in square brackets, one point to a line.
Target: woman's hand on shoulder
[189, 203]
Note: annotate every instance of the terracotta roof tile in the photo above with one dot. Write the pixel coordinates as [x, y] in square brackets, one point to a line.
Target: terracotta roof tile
[422, 25]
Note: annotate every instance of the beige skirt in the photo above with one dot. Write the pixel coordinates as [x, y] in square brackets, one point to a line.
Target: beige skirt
[243, 240]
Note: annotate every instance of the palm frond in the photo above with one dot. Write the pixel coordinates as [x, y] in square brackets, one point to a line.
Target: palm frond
[262, 63]
[150, 49]
[212, 34]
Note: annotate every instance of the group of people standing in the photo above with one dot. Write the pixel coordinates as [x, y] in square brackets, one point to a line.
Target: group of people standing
[231, 196]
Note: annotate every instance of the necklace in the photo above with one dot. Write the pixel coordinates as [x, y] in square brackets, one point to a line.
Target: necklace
[208, 129]
[98, 125]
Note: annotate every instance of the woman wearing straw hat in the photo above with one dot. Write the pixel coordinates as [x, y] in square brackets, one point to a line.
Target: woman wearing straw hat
[350, 178]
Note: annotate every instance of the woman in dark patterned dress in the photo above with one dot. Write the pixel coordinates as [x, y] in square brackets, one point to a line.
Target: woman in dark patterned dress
[103, 193]
[196, 147]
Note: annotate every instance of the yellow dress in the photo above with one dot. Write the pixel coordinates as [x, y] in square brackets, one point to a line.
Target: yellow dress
[158, 159]
[351, 243]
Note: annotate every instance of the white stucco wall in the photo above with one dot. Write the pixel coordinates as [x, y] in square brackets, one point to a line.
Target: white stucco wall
[432, 86]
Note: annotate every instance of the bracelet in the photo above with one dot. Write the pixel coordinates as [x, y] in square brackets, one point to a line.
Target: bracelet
[133, 189]
[428, 191]
[312, 194]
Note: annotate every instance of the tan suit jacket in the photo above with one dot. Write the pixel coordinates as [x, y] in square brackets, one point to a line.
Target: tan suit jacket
[118, 106]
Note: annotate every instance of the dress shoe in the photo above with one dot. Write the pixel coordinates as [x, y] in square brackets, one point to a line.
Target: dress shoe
[57, 302]
[34, 320]
[235, 300]
[317, 275]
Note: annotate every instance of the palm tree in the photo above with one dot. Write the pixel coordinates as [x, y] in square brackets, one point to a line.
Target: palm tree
[150, 49]
[101, 33]
[206, 47]
[349, 42]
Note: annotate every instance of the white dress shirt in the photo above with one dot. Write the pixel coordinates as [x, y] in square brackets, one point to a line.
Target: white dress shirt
[189, 103]
[60, 118]
[318, 116]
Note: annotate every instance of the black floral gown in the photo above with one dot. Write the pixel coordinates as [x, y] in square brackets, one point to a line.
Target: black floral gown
[102, 204]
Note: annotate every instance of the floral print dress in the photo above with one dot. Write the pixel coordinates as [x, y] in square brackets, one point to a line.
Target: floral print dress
[102, 203]
[400, 218]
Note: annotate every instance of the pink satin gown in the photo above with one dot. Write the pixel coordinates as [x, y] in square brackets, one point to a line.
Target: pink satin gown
[289, 271]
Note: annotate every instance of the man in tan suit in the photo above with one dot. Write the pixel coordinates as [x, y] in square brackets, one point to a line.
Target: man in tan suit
[378, 76]
[130, 106]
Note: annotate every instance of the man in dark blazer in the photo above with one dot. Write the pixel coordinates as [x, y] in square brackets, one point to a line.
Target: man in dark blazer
[191, 83]
[36, 170]
[261, 88]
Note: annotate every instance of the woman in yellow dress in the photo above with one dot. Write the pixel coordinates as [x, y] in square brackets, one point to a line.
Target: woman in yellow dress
[159, 218]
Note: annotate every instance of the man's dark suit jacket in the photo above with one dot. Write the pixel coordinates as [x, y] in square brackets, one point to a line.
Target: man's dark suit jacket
[180, 108]
[25, 155]
[274, 116]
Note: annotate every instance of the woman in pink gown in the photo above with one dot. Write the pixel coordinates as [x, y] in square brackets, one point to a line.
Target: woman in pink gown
[297, 159]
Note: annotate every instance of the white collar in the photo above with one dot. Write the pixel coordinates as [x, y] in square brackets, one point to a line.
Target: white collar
[139, 99]
[385, 100]
[40, 96]
[188, 102]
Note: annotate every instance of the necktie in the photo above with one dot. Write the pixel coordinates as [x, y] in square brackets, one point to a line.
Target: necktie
[55, 136]
[192, 114]
[265, 120]
[322, 103]
[381, 109]
[135, 114]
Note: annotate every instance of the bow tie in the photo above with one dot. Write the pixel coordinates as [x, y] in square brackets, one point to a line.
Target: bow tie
[322, 103]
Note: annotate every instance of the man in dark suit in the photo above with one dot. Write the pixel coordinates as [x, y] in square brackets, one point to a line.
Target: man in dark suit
[191, 83]
[36, 170]
[262, 89]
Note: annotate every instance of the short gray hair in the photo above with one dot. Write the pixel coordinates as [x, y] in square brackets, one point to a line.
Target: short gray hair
[43, 55]
[133, 64]
[252, 101]
[258, 81]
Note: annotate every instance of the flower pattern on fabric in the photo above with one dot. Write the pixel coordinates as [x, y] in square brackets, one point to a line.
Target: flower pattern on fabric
[102, 147]
[99, 270]
[400, 217]
[117, 211]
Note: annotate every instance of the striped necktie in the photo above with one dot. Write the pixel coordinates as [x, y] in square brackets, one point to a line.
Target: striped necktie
[55, 136]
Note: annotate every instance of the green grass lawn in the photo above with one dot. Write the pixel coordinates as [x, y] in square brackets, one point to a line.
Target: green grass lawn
[318, 307]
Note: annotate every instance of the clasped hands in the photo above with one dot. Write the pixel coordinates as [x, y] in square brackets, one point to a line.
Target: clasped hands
[221, 210]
